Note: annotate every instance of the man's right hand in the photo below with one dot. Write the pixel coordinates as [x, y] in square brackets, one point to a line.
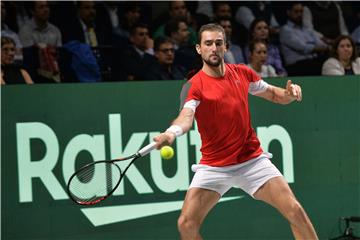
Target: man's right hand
[165, 138]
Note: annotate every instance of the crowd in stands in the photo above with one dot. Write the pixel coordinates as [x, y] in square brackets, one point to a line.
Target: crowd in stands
[101, 41]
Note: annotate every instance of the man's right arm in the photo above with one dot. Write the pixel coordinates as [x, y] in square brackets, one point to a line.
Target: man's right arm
[180, 125]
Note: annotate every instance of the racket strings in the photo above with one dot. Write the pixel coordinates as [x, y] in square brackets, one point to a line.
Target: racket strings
[94, 183]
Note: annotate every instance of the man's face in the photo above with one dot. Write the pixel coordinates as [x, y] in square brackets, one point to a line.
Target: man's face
[295, 14]
[140, 38]
[165, 54]
[212, 47]
[41, 10]
[226, 24]
[223, 11]
[178, 9]
[133, 16]
[182, 35]
[87, 11]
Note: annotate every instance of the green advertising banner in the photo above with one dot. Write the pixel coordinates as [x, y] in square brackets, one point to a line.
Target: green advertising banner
[50, 130]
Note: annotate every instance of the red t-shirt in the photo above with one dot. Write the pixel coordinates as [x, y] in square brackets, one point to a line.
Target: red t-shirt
[223, 115]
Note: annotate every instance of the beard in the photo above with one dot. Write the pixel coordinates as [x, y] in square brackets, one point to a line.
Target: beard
[213, 63]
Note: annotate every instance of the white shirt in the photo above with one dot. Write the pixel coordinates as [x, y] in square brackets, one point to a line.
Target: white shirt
[266, 71]
[333, 67]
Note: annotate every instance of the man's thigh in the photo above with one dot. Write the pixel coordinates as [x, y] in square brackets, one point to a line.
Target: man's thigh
[277, 193]
[198, 202]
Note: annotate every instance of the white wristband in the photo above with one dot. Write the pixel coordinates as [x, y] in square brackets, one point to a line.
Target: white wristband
[176, 129]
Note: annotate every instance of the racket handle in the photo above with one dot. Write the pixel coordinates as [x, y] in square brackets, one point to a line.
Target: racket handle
[148, 148]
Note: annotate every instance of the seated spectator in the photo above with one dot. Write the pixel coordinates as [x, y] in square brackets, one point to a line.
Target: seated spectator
[326, 18]
[11, 73]
[178, 31]
[234, 53]
[164, 69]
[38, 31]
[138, 57]
[259, 30]
[258, 57]
[44, 36]
[178, 10]
[83, 27]
[246, 14]
[7, 32]
[214, 10]
[303, 50]
[344, 58]
[119, 18]
[222, 10]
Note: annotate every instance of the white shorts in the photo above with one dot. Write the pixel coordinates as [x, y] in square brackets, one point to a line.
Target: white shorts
[248, 176]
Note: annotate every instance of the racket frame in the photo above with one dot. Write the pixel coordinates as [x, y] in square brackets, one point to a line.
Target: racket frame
[122, 174]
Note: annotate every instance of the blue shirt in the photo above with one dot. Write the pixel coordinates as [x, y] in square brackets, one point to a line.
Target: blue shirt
[298, 42]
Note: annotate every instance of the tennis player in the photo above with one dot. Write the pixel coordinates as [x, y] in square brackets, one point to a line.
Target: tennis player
[217, 96]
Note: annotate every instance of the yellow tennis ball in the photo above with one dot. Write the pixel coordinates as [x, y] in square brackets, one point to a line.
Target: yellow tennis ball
[166, 152]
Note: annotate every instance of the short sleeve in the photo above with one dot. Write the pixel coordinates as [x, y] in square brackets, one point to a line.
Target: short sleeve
[251, 75]
[190, 91]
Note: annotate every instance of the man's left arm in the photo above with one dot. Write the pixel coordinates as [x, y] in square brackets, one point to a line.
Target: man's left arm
[283, 96]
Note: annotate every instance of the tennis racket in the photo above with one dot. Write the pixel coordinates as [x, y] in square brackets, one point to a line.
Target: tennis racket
[96, 181]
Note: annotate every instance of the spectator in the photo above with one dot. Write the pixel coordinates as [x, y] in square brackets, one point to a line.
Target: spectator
[164, 68]
[138, 58]
[177, 30]
[258, 57]
[246, 14]
[7, 32]
[11, 73]
[303, 50]
[40, 40]
[222, 10]
[127, 15]
[84, 29]
[38, 30]
[344, 59]
[326, 18]
[178, 10]
[108, 15]
[234, 53]
[259, 30]
[214, 10]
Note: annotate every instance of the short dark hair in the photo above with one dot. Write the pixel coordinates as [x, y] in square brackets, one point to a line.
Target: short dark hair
[136, 26]
[213, 27]
[253, 43]
[218, 20]
[336, 43]
[161, 40]
[173, 26]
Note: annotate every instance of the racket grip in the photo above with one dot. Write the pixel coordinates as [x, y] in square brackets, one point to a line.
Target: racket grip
[148, 148]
